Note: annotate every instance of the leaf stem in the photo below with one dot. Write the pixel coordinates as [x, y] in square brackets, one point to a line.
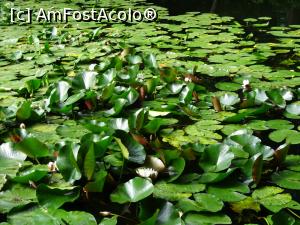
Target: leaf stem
[295, 214]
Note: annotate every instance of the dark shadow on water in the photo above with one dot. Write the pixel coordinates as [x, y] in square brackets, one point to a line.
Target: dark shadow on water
[283, 12]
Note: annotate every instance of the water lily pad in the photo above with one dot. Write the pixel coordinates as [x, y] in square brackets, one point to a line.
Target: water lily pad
[209, 202]
[134, 190]
[33, 173]
[291, 136]
[174, 192]
[228, 86]
[246, 204]
[216, 158]
[53, 197]
[32, 216]
[193, 218]
[17, 196]
[229, 192]
[32, 147]
[75, 217]
[272, 198]
[287, 179]
[292, 162]
[279, 124]
[168, 215]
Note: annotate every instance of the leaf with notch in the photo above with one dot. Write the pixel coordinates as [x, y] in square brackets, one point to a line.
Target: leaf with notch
[133, 190]
[216, 158]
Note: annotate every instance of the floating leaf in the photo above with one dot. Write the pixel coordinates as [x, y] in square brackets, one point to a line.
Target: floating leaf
[168, 215]
[7, 151]
[75, 217]
[131, 149]
[33, 216]
[134, 190]
[272, 198]
[98, 184]
[292, 162]
[53, 197]
[287, 179]
[209, 202]
[217, 218]
[32, 147]
[66, 163]
[33, 173]
[229, 192]
[291, 136]
[89, 162]
[246, 204]
[17, 196]
[109, 221]
[173, 192]
[216, 158]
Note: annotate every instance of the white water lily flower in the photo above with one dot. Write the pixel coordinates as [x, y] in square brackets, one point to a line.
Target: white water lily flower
[288, 95]
[92, 66]
[188, 79]
[54, 32]
[52, 166]
[146, 172]
[246, 83]
[89, 79]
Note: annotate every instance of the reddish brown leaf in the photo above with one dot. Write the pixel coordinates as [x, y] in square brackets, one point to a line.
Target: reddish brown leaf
[216, 103]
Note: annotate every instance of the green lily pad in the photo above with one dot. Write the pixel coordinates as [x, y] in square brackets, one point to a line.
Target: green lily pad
[173, 192]
[53, 197]
[15, 197]
[168, 215]
[134, 190]
[217, 218]
[272, 198]
[287, 179]
[216, 158]
[228, 86]
[75, 217]
[291, 136]
[33, 216]
[33, 173]
[229, 192]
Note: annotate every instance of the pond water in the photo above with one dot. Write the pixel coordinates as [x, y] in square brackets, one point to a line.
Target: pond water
[283, 12]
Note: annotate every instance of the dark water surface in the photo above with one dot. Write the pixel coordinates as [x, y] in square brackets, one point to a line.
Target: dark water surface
[283, 12]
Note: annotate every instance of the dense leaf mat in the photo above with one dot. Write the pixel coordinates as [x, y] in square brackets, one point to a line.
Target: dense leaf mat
[191, 119]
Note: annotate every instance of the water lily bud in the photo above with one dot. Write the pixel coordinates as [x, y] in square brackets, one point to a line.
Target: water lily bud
[92, 67]
[105, 213]
[32, 184]
[188, 79]
[287, 95]
[155, 163]
[54, 32]
[246, 85]
[124, 53]
[22, 126]
[52, 167]
[180, 214]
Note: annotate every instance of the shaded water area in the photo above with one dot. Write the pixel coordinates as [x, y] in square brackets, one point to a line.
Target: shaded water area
[282, 12]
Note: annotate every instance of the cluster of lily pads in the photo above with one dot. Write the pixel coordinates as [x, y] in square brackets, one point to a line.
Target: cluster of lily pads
[192, 119]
